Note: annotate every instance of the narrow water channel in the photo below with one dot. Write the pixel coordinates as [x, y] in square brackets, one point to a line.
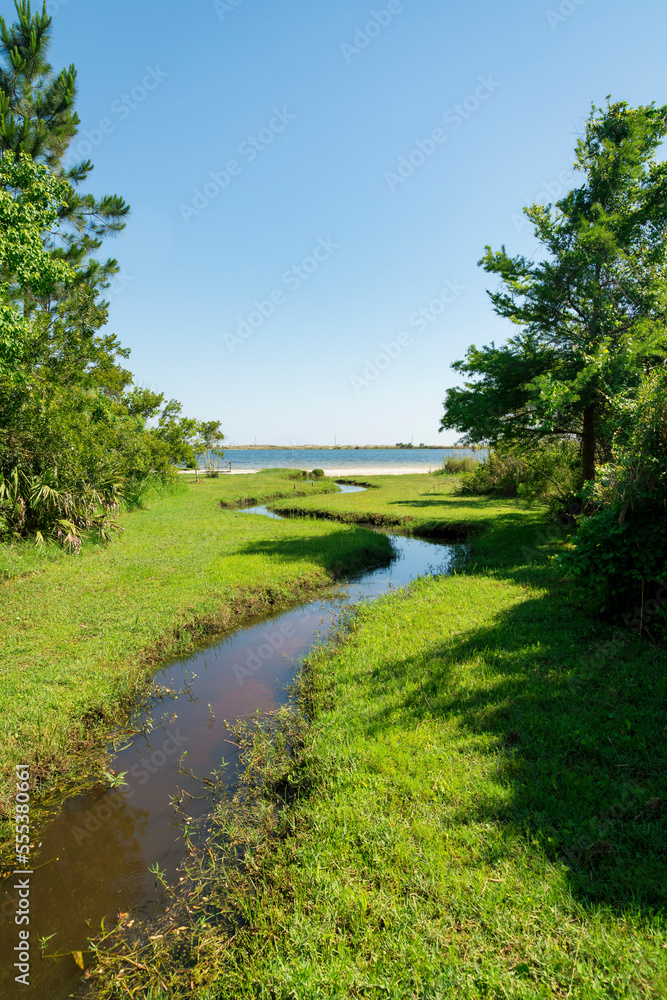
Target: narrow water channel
[94, 856]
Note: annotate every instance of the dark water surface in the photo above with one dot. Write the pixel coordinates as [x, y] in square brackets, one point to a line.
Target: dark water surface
[94, 856]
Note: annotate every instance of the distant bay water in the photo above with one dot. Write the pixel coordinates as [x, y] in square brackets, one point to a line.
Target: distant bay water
[344, 461]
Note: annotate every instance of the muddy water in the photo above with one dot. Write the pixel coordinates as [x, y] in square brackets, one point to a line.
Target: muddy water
[94, 856]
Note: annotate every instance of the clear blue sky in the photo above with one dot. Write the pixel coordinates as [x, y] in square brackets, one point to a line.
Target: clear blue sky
[314, 119]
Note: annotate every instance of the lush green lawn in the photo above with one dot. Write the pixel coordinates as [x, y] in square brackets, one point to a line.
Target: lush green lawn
[479, 795]
[79, 633]
[484, 801]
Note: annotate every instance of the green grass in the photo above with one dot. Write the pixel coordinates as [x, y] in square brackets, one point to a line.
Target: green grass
[80, 634]
[484, 799]
[476, 803]
[422, 504]
[271, 484]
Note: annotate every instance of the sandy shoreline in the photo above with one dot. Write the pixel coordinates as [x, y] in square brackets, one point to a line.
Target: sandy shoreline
[347, 472]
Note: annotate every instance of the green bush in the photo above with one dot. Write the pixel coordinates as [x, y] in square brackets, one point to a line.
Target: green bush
[317, 473]
[500, 475]
[455, 466]
[51, 506]
[621, 541]
[548, 473]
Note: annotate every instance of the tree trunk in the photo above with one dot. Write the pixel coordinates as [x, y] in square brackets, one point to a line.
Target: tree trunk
[588, 444]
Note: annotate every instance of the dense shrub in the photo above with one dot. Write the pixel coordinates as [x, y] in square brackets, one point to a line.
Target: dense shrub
[544, 474]
[62, 508]
[456, 466]
[48, 507]
[70, 449]
[621, 543]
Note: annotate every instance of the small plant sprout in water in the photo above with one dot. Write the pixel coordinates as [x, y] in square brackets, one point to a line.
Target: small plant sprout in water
[159, 875]
[43, 941]
[115, 780]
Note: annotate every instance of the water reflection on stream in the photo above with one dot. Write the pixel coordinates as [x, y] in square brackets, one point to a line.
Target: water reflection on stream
[94, 856]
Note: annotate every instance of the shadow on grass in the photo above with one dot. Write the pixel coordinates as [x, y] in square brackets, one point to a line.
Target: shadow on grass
[339, 553]
[577, 713]
[446, 501]
[580, 742]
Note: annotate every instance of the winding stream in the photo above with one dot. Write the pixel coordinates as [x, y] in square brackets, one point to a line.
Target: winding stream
[94, 857]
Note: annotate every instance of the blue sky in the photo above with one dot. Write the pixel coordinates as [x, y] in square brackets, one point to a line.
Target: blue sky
[313, 183]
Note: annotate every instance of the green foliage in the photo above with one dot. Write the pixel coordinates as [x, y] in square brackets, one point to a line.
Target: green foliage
[37, 106]
[177, 434]
[303, 474]
[30, 197]
[204, 439]
[67, 441]
[74, 431]
[547, 474]
[621, 544]
[38, 118]
[455, 466]
[207, 446]
[45, 506]
[499, 476]
[138, 493]
[592, 314]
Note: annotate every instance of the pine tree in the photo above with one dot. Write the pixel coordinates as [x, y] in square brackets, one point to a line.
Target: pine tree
[592, 313]
[62, 387]
[38, 118]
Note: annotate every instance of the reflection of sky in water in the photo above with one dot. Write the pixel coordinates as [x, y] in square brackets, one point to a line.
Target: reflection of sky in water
[97, 851]
[264, 511]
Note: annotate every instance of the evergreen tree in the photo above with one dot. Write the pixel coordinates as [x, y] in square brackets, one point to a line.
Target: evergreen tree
[62, 364]
[38, 117]
[592, 314]
[30, 197]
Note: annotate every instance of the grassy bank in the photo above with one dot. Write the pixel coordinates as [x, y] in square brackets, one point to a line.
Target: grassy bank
[488, 816]
[271, 484]
[423, 504]
[477, 808]
[79, 634]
